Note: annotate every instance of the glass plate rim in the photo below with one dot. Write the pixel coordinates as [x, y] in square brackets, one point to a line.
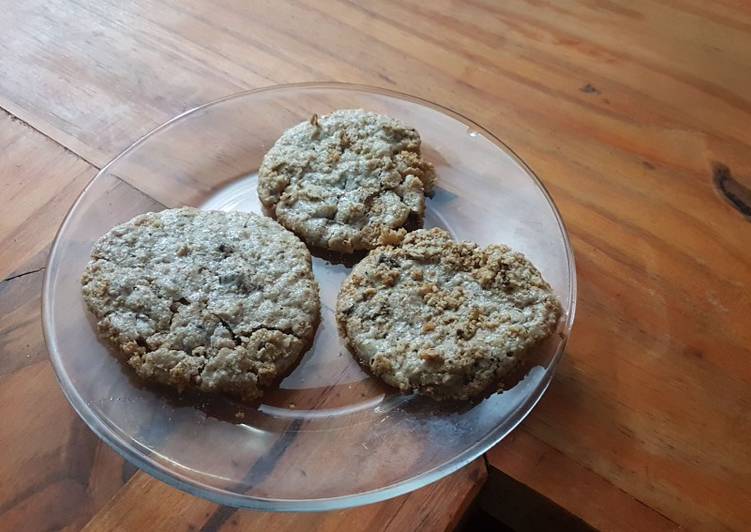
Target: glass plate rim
[134, 455]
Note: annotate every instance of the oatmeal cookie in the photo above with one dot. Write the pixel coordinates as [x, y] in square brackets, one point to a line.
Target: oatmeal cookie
[219, 301]
[442, 318]
[343, 180]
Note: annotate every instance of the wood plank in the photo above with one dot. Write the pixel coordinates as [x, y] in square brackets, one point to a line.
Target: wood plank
[573, 487]
[142, 502]
[624, 109]
[225, 43]
[147, 504]
[54, 472]
[39, 180]
[21, 327]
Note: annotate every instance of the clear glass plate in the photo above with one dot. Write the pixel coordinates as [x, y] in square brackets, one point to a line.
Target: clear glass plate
[330, 436]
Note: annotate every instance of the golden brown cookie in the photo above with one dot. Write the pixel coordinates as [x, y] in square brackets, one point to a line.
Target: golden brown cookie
[219, 301]
[442, 318]
[343, 180]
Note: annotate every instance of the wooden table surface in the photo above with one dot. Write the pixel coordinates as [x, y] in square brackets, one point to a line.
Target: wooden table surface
[637, 116]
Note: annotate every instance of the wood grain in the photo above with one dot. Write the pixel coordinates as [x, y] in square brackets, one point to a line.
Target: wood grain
[54, 472]
[141, 505]
[571, 486]
[38, 181]
[623, 108]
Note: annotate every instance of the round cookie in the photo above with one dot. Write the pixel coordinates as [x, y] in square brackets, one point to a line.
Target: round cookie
[341, 181]
[223, 302]
[441, 318]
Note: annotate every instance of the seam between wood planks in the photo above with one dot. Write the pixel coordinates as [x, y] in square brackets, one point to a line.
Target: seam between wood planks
[490, 465]
[15, 118]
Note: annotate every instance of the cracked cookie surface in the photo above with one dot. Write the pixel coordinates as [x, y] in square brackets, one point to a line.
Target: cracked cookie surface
[219, 301]
[442, 318]
[343, 180]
